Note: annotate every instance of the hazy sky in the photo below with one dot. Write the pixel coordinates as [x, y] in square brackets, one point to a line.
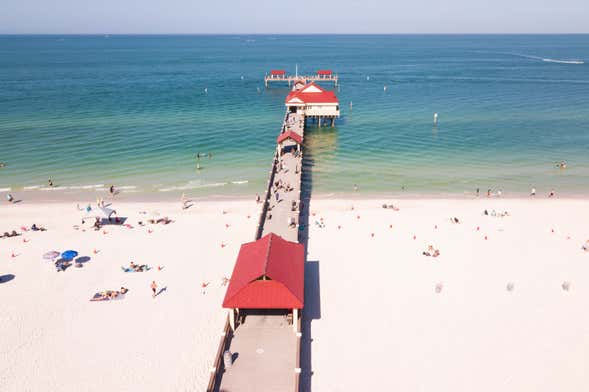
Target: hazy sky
[301, 16]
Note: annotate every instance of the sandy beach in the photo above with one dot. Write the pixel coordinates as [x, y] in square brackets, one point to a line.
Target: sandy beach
[502, 308]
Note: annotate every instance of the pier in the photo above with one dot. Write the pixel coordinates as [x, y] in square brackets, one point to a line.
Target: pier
[260, 345]
[280, 75]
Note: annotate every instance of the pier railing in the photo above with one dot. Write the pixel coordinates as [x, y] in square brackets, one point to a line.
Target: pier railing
[307, 78]
[267, 195]
[218, 367]
[297, 369]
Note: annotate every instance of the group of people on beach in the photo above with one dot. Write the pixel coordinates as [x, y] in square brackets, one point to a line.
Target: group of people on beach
[495, 213]
[499, 192]
[431, 251]
[13, 233]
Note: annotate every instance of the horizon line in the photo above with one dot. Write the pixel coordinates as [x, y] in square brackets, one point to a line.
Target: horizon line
[279, 34]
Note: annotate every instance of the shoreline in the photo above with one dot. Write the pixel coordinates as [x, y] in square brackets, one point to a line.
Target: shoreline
[59, 196]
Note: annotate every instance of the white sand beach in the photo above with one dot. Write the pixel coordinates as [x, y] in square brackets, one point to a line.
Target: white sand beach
[381, 315]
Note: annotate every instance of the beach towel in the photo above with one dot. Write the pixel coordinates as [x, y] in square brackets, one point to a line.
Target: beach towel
[99, 297]
[129, 269]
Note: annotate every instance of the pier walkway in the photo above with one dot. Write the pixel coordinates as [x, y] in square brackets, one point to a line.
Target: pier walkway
[284, 202]
[290, 79]
[266, 348]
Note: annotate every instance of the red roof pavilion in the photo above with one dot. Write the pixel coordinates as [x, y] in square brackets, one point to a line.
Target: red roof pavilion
[289, 135]
[277, 72]
[311, 93]
[269, 274]
[324, 72]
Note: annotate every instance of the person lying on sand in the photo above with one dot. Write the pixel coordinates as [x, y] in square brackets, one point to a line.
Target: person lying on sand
[62, 265]
[13, 233]
[34, 227]
[390, 207]
[109, 294]
[96, 225]
[165, 220]
[454, 220]
[137, 267]
[585, 247]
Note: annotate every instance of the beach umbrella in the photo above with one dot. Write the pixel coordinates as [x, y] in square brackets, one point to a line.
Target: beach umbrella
[51, 255]
[69, 255]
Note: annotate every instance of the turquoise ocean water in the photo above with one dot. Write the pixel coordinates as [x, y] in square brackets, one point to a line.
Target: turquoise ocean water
[90, 111]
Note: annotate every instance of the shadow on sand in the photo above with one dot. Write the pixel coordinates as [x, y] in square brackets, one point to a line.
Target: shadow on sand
[312, 309]
[6, 278]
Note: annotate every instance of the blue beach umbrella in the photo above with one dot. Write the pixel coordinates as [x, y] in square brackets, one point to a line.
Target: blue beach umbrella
[69, 255]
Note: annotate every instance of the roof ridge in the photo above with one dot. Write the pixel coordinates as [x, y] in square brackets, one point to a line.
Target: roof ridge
[271, 235]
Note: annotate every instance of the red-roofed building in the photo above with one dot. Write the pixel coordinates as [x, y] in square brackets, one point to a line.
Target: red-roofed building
[312, 100]
[277, 73]
[289, 135]
[269, 274]
[324, 72]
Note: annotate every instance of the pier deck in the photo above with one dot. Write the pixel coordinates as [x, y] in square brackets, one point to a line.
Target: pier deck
[290, 79]
[266, 356]
[284, 205]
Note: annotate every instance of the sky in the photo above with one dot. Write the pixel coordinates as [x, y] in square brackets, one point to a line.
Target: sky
[296, 17]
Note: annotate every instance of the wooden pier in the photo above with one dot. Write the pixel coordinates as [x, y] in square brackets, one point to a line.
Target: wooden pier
[282, 76]
[263, 328]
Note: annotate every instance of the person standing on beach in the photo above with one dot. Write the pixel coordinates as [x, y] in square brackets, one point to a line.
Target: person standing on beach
[533, 192]
[478, 192]
[111, 190]
[50, 181]
[9, 198]
[153, 288]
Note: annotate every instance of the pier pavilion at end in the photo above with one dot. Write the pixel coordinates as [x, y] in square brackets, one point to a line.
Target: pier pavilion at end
[314, 103]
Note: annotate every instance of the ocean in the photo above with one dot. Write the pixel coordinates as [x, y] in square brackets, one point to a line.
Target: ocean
[91, 111]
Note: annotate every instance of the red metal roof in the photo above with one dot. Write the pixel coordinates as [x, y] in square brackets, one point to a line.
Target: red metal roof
[324, 72]
[289, 135]
[318, 95]
[277, 72]
[281, 262]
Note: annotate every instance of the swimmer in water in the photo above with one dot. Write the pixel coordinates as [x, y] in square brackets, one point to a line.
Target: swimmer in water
[2, 164]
